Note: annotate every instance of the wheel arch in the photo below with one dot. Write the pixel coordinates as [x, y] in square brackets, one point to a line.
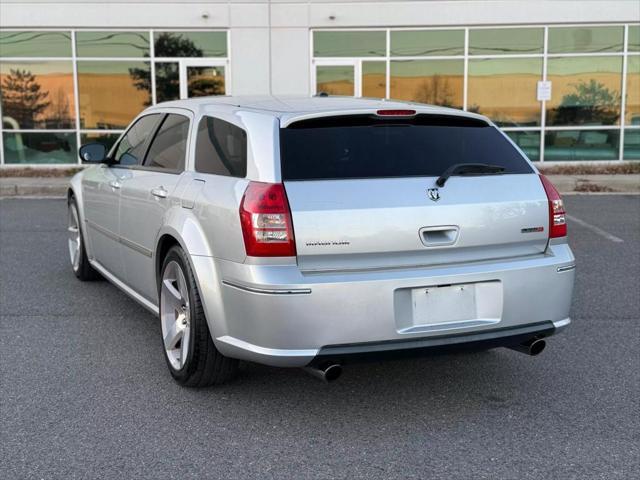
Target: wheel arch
[186, 232]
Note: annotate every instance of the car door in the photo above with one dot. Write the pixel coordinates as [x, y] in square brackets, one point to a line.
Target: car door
[146, 196]
[101, 192]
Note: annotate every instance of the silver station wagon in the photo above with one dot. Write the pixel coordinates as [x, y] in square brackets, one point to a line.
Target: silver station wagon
[315, 232]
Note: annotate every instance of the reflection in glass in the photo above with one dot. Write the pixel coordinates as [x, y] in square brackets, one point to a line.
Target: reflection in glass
[350, 44]
[112, 93]
[167, 81]
[112, 44]
[529, 143]
[581, 145]
[35, 44]
[413, 43]
[37, 95]
[190, 44]
[203, 81]
[631, 144]
[374, 79]
[335, 79]
[585, 90]
[107, 139]
[499, 41]
[585, 39]
[437, 82]
[633, 43]
[504, 89]
[632, 108]
[40, 147]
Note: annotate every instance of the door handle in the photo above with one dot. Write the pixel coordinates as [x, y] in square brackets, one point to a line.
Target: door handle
[159, 192]
[115, 184]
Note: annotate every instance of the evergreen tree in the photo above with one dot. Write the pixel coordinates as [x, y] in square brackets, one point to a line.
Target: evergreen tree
[22, 98]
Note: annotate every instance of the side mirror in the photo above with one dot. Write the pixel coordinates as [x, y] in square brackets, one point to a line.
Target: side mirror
[93, 153]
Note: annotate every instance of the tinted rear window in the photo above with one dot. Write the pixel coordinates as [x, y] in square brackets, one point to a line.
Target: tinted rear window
[366, 146]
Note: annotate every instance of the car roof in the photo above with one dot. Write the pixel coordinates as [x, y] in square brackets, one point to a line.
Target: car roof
[293, 108]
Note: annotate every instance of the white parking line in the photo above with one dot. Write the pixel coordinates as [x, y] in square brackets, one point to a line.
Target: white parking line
[595, 229]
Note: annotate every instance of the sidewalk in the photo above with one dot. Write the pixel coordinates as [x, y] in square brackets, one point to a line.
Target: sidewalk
[566, 184]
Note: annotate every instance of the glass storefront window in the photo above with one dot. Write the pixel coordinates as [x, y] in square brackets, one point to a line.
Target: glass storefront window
[112, 44]
[40, 147]
[335, 79]
[167, 81]
[504, 89]
[107, 139]
[374, 79]
[190, 44]
[584, 90]
[350, 44]
[414, 43]
[35, 44]
[528, 141]
[437, 82]
[112, 93]
[633, 43]
[581, 145]
[585, 39]
[37, 95]
[633, 91]
[503, 41]
[203, 81]
[631, 144]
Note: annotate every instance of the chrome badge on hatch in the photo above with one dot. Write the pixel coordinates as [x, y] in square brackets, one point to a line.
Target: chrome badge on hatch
[433, 194]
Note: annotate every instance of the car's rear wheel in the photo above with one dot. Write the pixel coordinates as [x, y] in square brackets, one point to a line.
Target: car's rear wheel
[77, 252]
[192, 357]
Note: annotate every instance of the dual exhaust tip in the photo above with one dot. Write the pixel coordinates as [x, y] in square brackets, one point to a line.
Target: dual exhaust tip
[332, 371]
[327, 373]
[532, 347]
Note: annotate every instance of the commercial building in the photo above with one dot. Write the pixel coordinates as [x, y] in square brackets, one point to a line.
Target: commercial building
[562, 78]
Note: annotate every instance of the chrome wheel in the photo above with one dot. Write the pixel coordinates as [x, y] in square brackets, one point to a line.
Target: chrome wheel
[75, 239]
[175, 315]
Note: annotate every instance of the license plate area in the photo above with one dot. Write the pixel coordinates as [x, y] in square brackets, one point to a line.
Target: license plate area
[448, 307]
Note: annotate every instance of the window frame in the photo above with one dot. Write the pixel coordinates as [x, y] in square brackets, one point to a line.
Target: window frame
[78, 132]
[625, 54]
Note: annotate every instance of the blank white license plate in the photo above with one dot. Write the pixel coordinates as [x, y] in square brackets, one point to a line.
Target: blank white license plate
[445, 304]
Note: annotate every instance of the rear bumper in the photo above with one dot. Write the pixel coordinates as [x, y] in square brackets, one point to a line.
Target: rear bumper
[276, 315]
[470, 341]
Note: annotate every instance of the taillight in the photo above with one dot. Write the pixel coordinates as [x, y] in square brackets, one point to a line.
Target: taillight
[557, 214]
[266, 221]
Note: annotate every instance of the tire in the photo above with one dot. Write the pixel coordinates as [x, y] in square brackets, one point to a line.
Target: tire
[184, 325]
[77, 252]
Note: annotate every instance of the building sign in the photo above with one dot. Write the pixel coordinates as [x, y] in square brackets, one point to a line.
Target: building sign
[544, 91]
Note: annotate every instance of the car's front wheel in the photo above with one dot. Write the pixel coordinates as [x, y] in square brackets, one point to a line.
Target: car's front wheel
[192, 357]
[77, 252]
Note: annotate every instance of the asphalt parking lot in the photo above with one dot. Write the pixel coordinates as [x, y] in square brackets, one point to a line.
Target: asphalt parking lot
[85, 392]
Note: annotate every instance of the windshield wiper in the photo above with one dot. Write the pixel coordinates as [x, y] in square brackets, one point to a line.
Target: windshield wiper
[468, 169]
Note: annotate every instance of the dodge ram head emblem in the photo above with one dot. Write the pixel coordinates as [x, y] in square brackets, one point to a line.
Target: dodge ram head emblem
[434, 194]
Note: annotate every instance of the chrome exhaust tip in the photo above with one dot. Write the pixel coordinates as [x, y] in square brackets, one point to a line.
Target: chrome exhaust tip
[532, 347]
[327, 373]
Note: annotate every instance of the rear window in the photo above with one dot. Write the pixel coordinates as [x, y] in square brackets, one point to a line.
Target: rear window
[367, 146]
[221, 148]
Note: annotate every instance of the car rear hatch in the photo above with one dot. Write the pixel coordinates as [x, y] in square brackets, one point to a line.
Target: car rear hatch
[363, 195]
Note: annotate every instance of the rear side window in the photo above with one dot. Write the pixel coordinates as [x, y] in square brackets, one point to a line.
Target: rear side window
[131, 148]
[221, 148]
[367, 146]
[169, 147]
